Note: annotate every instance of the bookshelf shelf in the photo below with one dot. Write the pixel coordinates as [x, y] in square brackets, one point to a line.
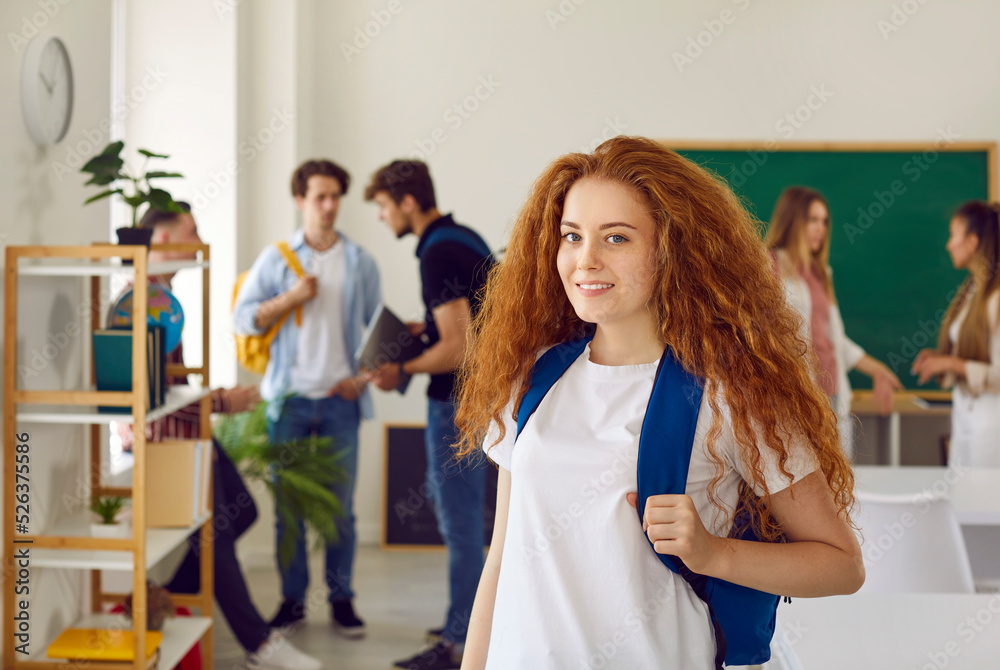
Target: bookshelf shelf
[75, 267]
[160, 542]
[68, 544]
[179, 635]
[177, 397]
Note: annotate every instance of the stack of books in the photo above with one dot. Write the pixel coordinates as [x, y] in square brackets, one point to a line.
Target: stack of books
[113, 364]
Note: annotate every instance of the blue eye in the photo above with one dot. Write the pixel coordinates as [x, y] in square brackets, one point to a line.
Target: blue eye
[617, 239]
[572, 237]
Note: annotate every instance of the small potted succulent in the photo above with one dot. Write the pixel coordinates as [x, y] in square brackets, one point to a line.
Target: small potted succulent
[108, 169]
[159, 606]
[107, 509]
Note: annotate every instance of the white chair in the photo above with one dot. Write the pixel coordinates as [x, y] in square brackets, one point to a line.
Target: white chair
[912, 543]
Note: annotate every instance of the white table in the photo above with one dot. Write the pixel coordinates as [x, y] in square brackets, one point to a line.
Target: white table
[893, 632]
[975, 492]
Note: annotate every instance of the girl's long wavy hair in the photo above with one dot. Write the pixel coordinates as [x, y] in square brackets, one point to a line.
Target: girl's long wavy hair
[788, 232]
[716, 299]
[982, 219]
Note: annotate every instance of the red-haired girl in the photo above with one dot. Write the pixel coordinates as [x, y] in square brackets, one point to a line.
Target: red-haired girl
[656, 261]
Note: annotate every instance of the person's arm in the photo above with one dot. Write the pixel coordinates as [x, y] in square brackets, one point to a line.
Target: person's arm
[821, 558]
[452, 321]
[477, 642]
[884, 381]
[979, 375]
[260, 301]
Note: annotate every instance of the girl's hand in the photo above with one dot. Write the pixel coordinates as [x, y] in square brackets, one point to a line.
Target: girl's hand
[885, 383]
[930, 364]
[673, 525]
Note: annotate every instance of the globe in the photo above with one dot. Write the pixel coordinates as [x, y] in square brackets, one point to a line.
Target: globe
[162, 309]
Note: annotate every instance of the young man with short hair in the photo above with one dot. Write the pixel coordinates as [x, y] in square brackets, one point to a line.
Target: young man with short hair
[454, 262]
[312, 383]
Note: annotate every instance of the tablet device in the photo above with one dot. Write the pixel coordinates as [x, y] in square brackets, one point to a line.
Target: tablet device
[388, 340]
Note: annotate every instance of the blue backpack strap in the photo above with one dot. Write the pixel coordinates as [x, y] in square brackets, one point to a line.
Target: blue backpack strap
[743, 618]
[549, 367]
[457, 234]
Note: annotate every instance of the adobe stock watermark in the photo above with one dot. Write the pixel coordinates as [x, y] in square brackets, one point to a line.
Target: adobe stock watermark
[247, 150]
[898, 17]
[225, 8]
[562, 12]
[966, 631]
[455, 117]
[893, 532]
[363, 35]
[32, 24]
[787, 126]
[94, 139]
[612, 128]
[704, 39]
[913, 169]
[924, 336]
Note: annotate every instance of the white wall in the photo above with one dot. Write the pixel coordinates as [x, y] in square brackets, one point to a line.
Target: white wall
[181, 66]
[43, 195]
[610, 68]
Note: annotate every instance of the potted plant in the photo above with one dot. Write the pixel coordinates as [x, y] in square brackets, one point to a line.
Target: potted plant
[159, 606]
[298, 473]
[107, 509]
[108, 169]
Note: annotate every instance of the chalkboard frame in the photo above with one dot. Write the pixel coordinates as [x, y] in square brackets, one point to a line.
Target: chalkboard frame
[757, 156]
[414, 502]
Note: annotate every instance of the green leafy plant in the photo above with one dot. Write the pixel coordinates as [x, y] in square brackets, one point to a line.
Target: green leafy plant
[298, 473]
[107, 507]
[108, 169]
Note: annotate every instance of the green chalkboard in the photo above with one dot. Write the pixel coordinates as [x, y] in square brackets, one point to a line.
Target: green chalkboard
[889, 206]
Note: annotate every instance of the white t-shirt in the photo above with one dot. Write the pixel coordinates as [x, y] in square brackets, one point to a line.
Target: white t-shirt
[321, 359]
[579, 584]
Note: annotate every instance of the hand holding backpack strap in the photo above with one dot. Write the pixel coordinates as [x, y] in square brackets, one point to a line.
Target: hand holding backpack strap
[293, 263]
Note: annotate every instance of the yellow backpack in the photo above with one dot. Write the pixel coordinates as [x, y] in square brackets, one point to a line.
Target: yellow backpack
[254, 351]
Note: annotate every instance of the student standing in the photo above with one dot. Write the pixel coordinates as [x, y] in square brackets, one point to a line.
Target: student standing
[267, 648]
[656, 263]
[454, 262]
[312, 383]
[968, 353]
[799, 240]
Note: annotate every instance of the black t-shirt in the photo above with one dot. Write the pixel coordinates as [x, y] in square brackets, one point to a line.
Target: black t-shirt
[449, 270]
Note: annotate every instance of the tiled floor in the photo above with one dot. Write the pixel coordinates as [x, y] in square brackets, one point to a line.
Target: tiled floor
[400, 596]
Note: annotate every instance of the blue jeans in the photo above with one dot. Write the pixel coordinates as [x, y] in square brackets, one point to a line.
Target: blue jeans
[457, 491]
[325, 417]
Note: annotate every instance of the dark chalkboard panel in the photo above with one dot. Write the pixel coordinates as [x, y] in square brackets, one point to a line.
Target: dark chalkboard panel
[890, 204]
[408, 516]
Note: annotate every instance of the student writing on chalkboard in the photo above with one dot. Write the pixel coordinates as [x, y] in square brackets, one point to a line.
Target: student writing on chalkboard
[968, 353]
[799, 240]
[641, 275]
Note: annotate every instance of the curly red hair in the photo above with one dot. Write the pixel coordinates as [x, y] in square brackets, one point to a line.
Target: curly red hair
[716, 299]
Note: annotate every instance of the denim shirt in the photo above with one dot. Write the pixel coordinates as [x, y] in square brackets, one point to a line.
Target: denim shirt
[270, 276]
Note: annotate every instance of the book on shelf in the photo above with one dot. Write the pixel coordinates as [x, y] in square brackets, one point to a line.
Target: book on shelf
[112, 349]
[103, 644]
[178, 474]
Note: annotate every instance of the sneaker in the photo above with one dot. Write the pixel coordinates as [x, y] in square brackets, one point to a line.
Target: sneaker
[291, 613]
[441, 656]
[345, 621]
[277, 653]
[433, 636]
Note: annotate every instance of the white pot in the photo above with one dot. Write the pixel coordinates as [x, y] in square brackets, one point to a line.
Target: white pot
[110, 530]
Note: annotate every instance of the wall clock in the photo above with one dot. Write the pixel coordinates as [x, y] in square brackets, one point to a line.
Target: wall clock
[46, 90]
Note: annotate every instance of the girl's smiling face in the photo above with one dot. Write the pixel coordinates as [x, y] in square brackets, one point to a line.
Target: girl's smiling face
[607, 257]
